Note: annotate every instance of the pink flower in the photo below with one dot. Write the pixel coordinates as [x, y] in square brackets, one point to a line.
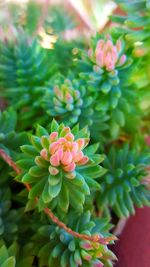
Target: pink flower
[65, 153]
[107, 55]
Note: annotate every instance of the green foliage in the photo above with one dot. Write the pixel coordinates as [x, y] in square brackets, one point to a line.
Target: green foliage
[67, 100]
[137, 17]
[99, 89]
[20, 65]
[5, 259]
[123, 186]
[10, 141]
[8, 217]
[59, 20]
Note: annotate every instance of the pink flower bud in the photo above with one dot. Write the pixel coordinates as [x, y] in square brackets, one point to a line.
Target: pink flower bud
[53, 147]
[86, 245]
[74, 147]
[53, 136]
[90, 52]
[81, 143]
[69, 137]
[83, 161]
[61, 140]
[67, 158]
[100, 44]
[98, 264]
[44, 154]
[68, 98]
[60, 153]
[118, 45]
[58, 92]
[70, 167]
[78, 156]
[122, 60]
[54, 160]
[100, 58]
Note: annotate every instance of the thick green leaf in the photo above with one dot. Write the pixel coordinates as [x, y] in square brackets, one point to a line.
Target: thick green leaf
[10, 262]
[37, 171]
[63, 200]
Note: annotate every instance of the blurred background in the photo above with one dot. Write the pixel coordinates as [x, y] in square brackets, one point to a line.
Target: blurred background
[47, 18]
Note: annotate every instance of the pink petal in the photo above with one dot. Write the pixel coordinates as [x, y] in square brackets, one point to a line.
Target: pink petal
[83, 161]
[100, 44]
[86, 245]
[108, 45]
[69, 137]
[69, 98]
[100, 58]
[107, 59]
[61, 140]
[70, 167]
[122, 60]
[53, 136]
[74, 147]
[98, 264]
[67, 158]
[80, 143]
[54, 160]
[78, 156]
[60, 153]
[118, 45]
[114, 54]
[110, 66]
[44, 154]
[90, 52]
[87, 257]
[58, 92]
[53, 147]
[66, 130]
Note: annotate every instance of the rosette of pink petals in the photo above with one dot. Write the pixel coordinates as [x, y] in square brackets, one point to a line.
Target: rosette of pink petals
[107, 55]
[65, 152]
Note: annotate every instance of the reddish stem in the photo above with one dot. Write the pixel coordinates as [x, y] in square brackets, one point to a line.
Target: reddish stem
[95, 238]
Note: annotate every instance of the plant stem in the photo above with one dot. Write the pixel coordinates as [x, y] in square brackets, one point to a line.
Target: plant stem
[95, 238]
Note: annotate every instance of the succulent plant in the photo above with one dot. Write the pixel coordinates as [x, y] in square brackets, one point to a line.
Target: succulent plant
[59, 167]
[67, 250]
[123, 186]
[67, 100]
[104, 66]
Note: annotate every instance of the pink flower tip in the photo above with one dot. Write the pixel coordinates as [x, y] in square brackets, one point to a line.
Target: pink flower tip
[86, 245]
[83, 161]
[53, 171]
[98, 264]
[122, 60]
[53, 136]
[54, 160]
[71, 175]
[70, 167]
[44, 154]
[69, 136]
